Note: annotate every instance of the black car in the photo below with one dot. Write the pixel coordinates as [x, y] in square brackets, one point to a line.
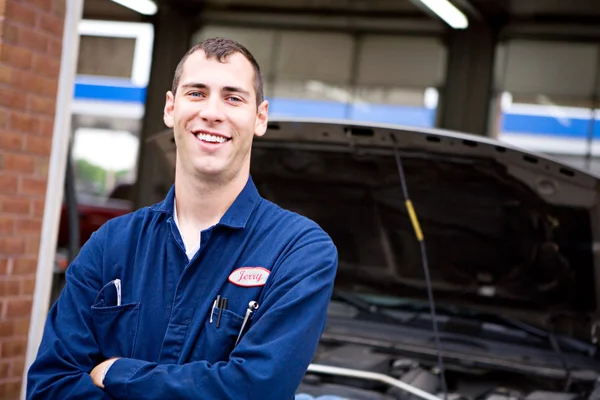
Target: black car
[502, 242]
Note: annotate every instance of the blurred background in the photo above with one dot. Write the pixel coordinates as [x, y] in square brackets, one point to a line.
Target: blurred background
[524, 72]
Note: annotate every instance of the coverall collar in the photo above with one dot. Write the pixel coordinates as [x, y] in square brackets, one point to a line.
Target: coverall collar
[235, 217]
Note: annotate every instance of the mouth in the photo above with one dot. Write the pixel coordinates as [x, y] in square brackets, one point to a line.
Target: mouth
[210, 137]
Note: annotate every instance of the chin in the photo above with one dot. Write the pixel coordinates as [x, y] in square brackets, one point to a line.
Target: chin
[213, 171]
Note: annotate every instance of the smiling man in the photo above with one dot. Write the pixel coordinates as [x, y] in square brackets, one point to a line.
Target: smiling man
[214, 293]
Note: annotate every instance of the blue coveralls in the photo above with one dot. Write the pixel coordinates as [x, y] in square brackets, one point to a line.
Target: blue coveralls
[170, 349]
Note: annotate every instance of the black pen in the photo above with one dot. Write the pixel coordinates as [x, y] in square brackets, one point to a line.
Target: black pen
[221, 307]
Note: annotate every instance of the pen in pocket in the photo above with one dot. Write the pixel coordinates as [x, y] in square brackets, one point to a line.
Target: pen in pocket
[117, 283]
[252, 307]
[222, 306]
[215, 304]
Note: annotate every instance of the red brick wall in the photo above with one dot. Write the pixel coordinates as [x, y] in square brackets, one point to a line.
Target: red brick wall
[30, 49]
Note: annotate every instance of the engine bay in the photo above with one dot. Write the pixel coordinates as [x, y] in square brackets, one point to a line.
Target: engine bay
[463, 383]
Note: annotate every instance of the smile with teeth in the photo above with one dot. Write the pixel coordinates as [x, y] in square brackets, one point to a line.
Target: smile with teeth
[206, 137]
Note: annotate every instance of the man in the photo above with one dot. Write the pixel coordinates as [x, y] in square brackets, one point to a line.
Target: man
[214, 293]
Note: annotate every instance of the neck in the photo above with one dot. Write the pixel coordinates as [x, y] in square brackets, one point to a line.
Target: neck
[201, 203]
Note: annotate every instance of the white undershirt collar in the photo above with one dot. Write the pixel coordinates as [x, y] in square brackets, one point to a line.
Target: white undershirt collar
[190, 247]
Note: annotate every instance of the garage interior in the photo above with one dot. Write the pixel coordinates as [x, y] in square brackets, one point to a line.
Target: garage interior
[387, 51]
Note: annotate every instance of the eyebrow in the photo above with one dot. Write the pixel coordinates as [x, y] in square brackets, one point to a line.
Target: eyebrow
[228, 89]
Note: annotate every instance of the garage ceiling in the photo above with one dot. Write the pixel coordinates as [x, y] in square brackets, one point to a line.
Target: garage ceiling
[109, 10]
[497, 12]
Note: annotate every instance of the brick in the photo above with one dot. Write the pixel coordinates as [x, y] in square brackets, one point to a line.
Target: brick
[12, 245]
[42, 105]
[5, 367]
[51, 24]
[45, 5]
[18, 12]
[24, 266]
[38, 208]
[11, 328]
[59, 7]
[54, 48]
[27, 226]
[5, 74]
[14, 162]
[26, 123]
[7, 226]
[18, 367]
[16, 308]
[11, 141]
[32, 245]
[10, 389]
[9, 183]
[12, 98]
[33, 186]
[4, 265]
[46, 66]
[3, 118]
[46, 127]
[38, 144]
[32, 39]
[15, 205]
[34, 83]
[41, 167]
[7, 329]
[10, 287]
[19, 57]
[21, 326]
[13, 348]
[11, 34]
[27, 286]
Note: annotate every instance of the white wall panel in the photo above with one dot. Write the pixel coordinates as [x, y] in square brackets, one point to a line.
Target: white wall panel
[401, 61]
[316, 56]
[501, 57]
[551, 68]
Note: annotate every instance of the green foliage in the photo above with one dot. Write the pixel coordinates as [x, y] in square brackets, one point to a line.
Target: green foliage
[96, 177]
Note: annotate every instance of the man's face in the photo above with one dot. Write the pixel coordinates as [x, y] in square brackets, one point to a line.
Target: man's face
[214, 116]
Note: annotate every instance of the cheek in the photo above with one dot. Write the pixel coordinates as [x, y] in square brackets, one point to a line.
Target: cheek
[184, 113]
[246, 123]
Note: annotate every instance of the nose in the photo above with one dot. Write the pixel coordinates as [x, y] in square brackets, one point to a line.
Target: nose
[212, 111]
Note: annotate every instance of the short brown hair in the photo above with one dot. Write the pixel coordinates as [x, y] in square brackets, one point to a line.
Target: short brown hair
[221, 48]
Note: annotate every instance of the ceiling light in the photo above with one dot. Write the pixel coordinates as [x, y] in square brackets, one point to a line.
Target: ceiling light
[448, 12]
[146, 7]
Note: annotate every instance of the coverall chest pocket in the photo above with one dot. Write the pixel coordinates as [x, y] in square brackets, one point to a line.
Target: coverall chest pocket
[217, 342]
[115, 324]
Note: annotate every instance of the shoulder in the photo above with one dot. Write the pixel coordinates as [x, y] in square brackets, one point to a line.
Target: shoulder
[297, 233]
[133, 223]
[291, 224]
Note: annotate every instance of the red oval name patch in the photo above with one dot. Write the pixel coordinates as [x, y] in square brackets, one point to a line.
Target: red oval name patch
[249, 276]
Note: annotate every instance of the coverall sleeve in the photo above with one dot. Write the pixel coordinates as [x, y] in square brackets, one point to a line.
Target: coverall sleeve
[68, 350]
[270, 360]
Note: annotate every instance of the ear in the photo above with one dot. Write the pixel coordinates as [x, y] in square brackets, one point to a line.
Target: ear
[262, 118]
[169, 107]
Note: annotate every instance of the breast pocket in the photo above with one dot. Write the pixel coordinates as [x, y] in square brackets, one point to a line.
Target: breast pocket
[115, 324]
[215, 343]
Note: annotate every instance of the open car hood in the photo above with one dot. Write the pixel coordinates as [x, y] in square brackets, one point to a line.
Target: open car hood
[506, 230]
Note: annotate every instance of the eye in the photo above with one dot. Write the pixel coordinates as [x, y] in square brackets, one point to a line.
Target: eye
[195, 94]
[234, 99]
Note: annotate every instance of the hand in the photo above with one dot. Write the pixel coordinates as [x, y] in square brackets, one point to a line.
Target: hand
[99, 372]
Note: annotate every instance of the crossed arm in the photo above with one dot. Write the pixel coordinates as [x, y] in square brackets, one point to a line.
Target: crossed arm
[268, 363]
